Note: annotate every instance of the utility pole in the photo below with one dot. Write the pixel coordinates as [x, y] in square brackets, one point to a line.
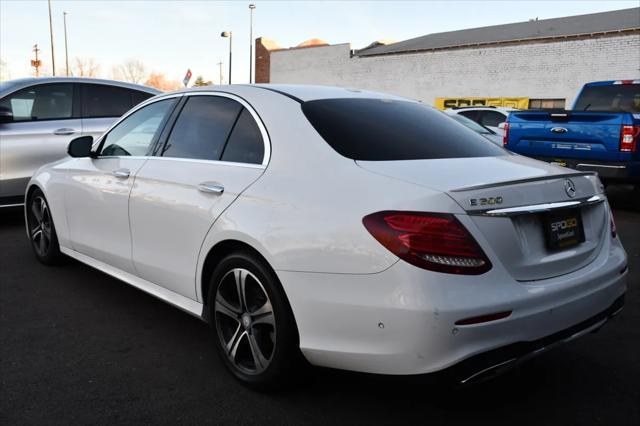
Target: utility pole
[251, 8]
[36, 62]
[220, 67]
[228, 34]
[53, 58]
[66, 47]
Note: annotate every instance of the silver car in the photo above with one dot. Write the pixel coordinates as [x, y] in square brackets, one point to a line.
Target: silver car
[40, 116]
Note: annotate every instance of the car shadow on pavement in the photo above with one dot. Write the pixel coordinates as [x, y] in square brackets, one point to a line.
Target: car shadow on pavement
[624, 197]
[76, 344]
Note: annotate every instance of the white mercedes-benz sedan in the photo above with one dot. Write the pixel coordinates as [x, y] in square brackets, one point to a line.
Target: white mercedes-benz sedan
[351, 229]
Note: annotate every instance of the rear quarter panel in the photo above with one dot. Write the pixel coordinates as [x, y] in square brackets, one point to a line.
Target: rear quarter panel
[305, 212]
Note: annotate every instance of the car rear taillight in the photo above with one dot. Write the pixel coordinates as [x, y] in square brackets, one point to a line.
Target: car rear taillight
[629, 138]
[433, 241]
[505, 138]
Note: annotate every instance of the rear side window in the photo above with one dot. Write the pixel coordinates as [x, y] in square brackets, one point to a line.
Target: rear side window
[492, 118]
[202, 128]
[245, 144]
[41, 102]
[478, 128]
[471, 115]
[613, 98]
[138, 96]
[385, 130]
[105, 101]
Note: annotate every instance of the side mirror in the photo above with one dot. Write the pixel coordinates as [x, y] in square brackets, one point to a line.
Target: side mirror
[80, 147]
[502, 125]
[6, 115]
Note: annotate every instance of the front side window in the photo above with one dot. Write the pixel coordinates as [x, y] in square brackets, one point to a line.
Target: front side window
[386, 130]
[203, 127]
[42, 102]
[105, 101]
[134, 135]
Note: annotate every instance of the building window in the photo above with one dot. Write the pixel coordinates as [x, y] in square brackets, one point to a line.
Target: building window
[546, 103]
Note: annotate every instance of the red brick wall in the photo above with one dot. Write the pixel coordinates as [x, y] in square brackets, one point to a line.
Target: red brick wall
[262, 61]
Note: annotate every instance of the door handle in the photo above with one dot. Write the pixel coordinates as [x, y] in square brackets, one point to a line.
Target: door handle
[65, 131]
[211, 188]
[121, 173]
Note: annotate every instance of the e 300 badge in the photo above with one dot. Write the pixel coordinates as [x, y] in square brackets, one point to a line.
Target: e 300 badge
[488, 201]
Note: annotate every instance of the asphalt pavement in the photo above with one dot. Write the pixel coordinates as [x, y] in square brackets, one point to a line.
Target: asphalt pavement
[77, 346]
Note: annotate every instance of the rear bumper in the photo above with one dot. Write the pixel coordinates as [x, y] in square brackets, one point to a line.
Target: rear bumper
[403, 321]
[622, 171]
[497, 361]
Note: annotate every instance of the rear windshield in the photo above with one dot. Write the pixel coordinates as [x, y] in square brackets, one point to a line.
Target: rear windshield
[614, 98]
[385, 130]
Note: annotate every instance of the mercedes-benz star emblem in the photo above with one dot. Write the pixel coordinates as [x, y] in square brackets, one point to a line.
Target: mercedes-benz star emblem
[570, 188]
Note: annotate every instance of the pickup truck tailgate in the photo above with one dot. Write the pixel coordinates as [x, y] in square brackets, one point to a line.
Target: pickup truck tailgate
[567, 134]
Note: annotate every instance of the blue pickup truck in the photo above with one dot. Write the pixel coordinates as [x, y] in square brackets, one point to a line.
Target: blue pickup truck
[601, 133]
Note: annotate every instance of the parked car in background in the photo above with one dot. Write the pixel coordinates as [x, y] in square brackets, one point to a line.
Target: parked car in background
[40, 116]
[360, 230]
[478, 128]
[490, 117]
[601, 133]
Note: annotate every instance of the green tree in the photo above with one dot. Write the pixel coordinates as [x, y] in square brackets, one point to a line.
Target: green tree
[200, 82]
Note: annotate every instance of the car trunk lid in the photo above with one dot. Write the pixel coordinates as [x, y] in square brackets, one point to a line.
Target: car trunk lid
[509, 200]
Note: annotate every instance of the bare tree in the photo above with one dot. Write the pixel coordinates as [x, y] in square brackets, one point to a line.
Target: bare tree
[4, 71]
[159, 81]
[86, 67]
[131, 70]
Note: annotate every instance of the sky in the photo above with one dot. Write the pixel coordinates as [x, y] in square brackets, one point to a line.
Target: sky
[171, 36]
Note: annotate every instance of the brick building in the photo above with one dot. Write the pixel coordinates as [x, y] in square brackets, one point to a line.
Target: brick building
[543, 61]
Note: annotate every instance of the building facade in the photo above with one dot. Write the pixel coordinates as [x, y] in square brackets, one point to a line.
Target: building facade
[545, 62]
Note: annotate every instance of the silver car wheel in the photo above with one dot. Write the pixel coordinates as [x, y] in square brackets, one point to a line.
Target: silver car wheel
[245, 322]
[40, 226]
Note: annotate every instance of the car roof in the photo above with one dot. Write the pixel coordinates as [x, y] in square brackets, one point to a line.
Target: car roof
[612, 82]
[12, 85]
[484, 108]
[298, 92]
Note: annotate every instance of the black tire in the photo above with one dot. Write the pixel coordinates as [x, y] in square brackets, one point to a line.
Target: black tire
[42, 232]
[279, 361]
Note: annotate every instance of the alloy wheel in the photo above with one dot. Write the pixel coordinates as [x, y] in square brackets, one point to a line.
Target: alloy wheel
[40, 226]
[245, 321]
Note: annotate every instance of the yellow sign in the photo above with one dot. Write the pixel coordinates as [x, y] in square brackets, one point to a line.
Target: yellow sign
[519, 103]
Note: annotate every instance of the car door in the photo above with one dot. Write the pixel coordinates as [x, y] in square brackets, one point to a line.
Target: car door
[97, 189]
[216, 149]
[45, 119]
[103, 104]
